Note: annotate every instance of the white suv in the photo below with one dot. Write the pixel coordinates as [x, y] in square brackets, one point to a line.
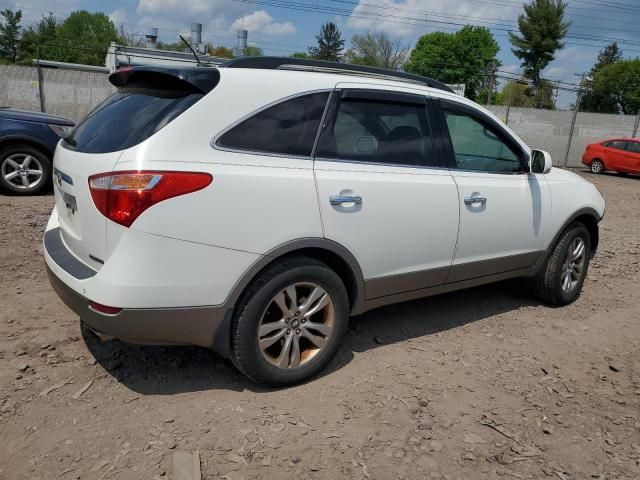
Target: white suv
[252, 208]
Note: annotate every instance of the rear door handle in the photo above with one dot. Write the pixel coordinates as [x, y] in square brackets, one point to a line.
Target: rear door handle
[340, 199]
[473, 199]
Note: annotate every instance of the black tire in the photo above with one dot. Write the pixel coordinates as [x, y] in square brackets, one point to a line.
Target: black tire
[42, 163]
[597, 166]
[548, 283]
[246, 352]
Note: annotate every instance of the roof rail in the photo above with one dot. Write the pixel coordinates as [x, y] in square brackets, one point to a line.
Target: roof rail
[285, 63]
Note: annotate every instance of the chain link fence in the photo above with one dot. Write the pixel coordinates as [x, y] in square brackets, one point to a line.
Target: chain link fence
[69, 93]
[74, 93]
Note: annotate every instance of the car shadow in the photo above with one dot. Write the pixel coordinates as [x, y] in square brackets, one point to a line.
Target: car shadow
[156, 370]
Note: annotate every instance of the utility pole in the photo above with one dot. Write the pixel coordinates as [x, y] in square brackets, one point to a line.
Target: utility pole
[492, 73]
[573, 120]
[635, 126]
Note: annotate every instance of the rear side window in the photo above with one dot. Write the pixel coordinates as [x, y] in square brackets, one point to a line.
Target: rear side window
[376, 131]
[288, 128]
[633, 147]
[128, 117]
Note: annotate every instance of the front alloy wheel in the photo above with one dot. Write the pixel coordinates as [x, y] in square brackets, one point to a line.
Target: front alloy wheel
[573, 265]
[597, 166]
[24, 170]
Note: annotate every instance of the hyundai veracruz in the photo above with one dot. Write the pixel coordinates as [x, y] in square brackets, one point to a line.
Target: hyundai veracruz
[252, 208]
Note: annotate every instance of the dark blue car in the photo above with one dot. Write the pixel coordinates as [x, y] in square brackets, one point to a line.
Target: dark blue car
[27, 143]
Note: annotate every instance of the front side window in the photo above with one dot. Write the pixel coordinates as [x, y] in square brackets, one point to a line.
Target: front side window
[618, 144]
[633, 147]
[288, 128]
[478, 145]
[378, 131]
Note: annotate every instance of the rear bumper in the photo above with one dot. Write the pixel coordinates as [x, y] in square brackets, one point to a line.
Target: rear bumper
[162, 326]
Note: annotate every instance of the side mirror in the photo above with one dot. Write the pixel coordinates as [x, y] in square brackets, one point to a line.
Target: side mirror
[541, 161]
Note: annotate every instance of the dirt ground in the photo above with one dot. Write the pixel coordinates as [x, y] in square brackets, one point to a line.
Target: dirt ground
[481, 384]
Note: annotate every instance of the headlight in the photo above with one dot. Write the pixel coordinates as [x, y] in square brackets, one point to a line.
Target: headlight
[62, 131]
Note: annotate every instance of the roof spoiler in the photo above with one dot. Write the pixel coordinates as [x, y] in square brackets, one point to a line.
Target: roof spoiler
[197, 79]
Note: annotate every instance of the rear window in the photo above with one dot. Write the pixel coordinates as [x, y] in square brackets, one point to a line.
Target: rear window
[128, 117]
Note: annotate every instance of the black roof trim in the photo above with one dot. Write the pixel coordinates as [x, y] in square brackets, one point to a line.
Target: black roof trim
[202, 79]
[273, 63]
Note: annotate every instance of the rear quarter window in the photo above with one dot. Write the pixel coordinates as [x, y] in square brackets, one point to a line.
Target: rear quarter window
[128, 117]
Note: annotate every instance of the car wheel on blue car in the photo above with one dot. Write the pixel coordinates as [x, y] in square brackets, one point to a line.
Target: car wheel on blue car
[24, 170]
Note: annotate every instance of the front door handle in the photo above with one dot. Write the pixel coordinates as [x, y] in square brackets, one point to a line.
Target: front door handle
[473, 199]
[340, 199]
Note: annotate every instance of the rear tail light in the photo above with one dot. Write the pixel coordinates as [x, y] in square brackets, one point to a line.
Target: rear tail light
[123, 196]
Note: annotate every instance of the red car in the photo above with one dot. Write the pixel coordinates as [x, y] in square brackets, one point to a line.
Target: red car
[621, 155]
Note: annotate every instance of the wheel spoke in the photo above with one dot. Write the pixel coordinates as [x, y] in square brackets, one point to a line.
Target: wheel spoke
[37, 173]
[11, 175]
[282, 304]
[267, 328]
[293, 298]
[25, 181]
[13, 163]
[27, 161]
[319, 327]
[578, 250]
[317, 340]
[295, 352]
[315, 294]
[323, 302]
[565, 280]
[267, 342]
[285, 353]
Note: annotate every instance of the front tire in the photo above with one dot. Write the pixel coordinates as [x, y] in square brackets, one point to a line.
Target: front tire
[24, 170]
[290, 322]
[597, 166]
[561, 280]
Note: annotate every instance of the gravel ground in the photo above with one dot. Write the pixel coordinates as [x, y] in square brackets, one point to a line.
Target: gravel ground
[481, 384]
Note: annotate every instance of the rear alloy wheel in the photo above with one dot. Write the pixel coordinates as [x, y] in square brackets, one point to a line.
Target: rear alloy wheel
[597, 166]
[24, 170]
[290, 322]
[561, 280]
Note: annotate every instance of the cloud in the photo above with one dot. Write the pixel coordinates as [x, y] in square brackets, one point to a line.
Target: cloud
[405, 17]
[261, 21]
[118, 16]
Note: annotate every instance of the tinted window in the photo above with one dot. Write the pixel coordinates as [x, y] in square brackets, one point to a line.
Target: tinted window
[619, 144]
[377, 131]
[128, 117]
[633, 147]
[479, 146]
[288, 128]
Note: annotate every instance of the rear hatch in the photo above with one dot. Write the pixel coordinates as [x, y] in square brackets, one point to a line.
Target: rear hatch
[147, 99]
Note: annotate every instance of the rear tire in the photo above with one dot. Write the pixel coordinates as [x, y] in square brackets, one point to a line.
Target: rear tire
[24, 170]
[560, 282]
[597, 166]
[290, 322]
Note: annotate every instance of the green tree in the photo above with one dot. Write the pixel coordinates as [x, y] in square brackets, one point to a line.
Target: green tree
[621, 80]
[461, 57]
[377, 49]
[40, 40]
[219, 51]
[601, 102]
[85, 38]
[299, 55]
[542, 28]
[10, 35]
[178, 46]
[330, 44]
[252, 51]
[516, 94]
